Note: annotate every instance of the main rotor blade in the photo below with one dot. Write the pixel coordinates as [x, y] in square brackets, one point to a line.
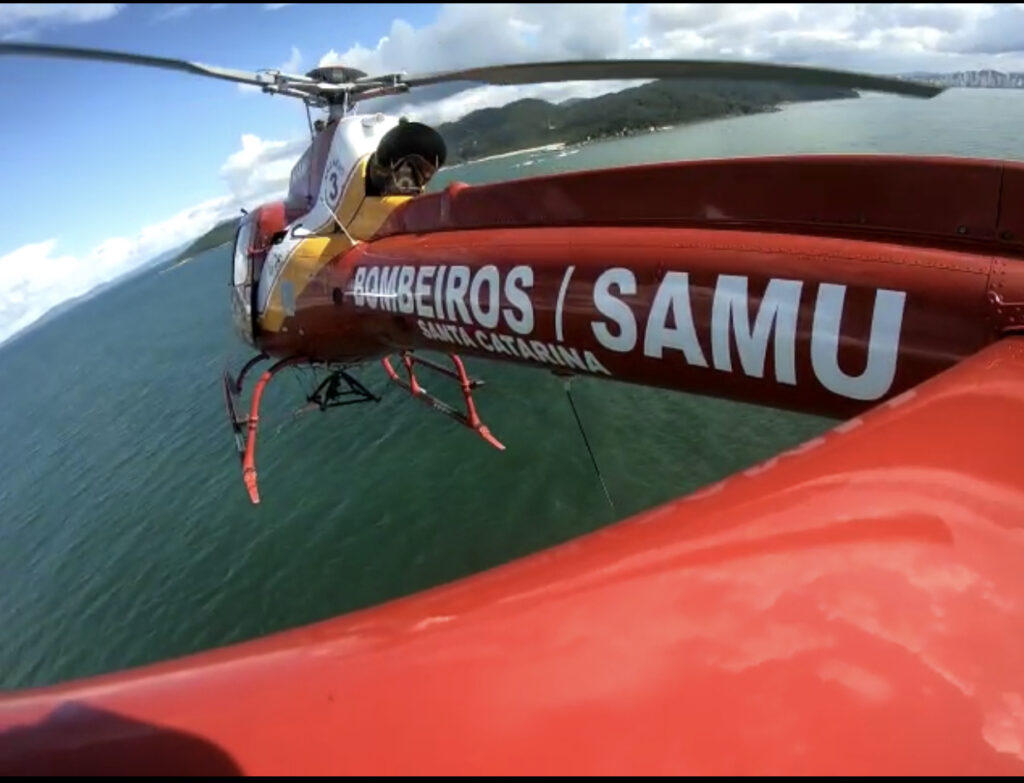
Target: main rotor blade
[586, 70]
[46, 50]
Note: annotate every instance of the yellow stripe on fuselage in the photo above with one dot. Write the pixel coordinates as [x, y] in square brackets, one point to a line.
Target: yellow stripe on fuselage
[355, 193]
[372, 214]
[362, 217]
[303, 264]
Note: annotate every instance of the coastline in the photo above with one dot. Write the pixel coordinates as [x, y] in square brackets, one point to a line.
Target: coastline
[568, 145]
[558, 145]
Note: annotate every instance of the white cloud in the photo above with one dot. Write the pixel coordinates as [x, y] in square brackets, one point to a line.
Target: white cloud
[999, 31]
[26, 17]
[275, 6]
[260, 168]
[39, 276]
[176, 11]
[291, 65]
[181, 10]
[870, 37]
[470, 35]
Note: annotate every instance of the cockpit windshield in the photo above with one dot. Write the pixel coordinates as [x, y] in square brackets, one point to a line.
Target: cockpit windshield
[242, 244]
[241, 299]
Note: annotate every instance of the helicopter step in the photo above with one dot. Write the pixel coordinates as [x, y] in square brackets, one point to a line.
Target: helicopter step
[470, 418]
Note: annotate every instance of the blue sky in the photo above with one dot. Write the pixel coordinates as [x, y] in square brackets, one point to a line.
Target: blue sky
[105, 166]
[122, 147]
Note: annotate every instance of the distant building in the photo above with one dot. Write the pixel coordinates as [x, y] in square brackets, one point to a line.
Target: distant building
[986, 78]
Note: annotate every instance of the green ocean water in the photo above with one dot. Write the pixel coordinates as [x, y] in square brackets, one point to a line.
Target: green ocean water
[126, 536]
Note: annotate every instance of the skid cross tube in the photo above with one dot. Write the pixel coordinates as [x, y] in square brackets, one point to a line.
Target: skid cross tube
[245, 370]
[470, 418]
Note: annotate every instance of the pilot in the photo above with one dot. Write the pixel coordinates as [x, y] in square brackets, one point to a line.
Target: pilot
[405, 160]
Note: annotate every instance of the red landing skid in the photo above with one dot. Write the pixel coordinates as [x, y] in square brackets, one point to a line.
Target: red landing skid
[247, 448]
[470, 418]
[329, 394]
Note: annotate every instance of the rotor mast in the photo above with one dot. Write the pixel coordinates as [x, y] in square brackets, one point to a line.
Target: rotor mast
[338, 87]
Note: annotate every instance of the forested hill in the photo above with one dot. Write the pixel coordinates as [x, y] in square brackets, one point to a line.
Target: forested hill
[533, 123]
[220, 234]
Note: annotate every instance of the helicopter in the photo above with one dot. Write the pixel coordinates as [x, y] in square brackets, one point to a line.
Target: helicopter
[302, 291]
[851, 605]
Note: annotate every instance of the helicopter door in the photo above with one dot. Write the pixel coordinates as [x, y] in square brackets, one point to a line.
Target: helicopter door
[242, 280]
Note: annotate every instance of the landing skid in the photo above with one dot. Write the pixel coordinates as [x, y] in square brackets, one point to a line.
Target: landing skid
[337, 390]
[469, 418]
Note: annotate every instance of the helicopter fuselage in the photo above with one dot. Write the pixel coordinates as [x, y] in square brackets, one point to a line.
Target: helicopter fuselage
[281, 248]
[757, 289]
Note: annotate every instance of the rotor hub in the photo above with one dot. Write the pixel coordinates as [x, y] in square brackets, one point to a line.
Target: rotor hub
[336, 74]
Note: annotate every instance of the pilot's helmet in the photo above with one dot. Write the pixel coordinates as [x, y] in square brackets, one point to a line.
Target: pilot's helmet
[408, 156]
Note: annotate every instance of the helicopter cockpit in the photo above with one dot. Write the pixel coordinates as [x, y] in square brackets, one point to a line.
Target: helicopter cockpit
[361, 182]
[242, 280]
[255, 235]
